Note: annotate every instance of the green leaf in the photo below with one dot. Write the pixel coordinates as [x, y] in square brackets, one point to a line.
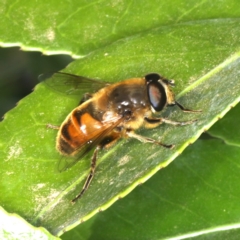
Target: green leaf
[79, 27]
[227, 129]
[197, 195]
[197, 44]
[29, 156]
[21, 230]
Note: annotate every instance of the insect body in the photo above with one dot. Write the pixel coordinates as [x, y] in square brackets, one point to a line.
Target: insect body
[113, 112]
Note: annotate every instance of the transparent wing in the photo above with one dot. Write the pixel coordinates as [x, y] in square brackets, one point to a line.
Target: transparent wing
[71, 84]
[67, 162]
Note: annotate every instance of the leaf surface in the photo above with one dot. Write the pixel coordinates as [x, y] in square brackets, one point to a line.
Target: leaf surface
[196, 196]
[196, 44]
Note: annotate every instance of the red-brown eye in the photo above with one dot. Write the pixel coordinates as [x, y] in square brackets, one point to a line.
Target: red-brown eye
[156, 91]
[157, 96]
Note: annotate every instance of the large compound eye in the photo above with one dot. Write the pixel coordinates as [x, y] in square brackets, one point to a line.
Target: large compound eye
[157, 95]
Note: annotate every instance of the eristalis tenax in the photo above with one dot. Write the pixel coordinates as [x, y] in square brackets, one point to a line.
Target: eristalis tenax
[108, 112]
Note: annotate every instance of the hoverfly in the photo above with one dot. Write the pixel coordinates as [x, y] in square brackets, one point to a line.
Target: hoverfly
[110, 112]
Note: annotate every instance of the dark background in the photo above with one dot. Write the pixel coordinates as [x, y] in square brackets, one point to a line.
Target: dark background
[19, 73]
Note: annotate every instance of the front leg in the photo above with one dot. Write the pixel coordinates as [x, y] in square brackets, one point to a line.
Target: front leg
[154, 122]
[185, 109]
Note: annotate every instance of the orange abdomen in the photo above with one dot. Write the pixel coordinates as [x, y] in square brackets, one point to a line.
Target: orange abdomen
[78, 129]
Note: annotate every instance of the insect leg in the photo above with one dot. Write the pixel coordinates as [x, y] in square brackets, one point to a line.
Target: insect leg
[86, 97]
[52, 126]
[163, 120]
[147, 140]
[90, 175]
[185, 109]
